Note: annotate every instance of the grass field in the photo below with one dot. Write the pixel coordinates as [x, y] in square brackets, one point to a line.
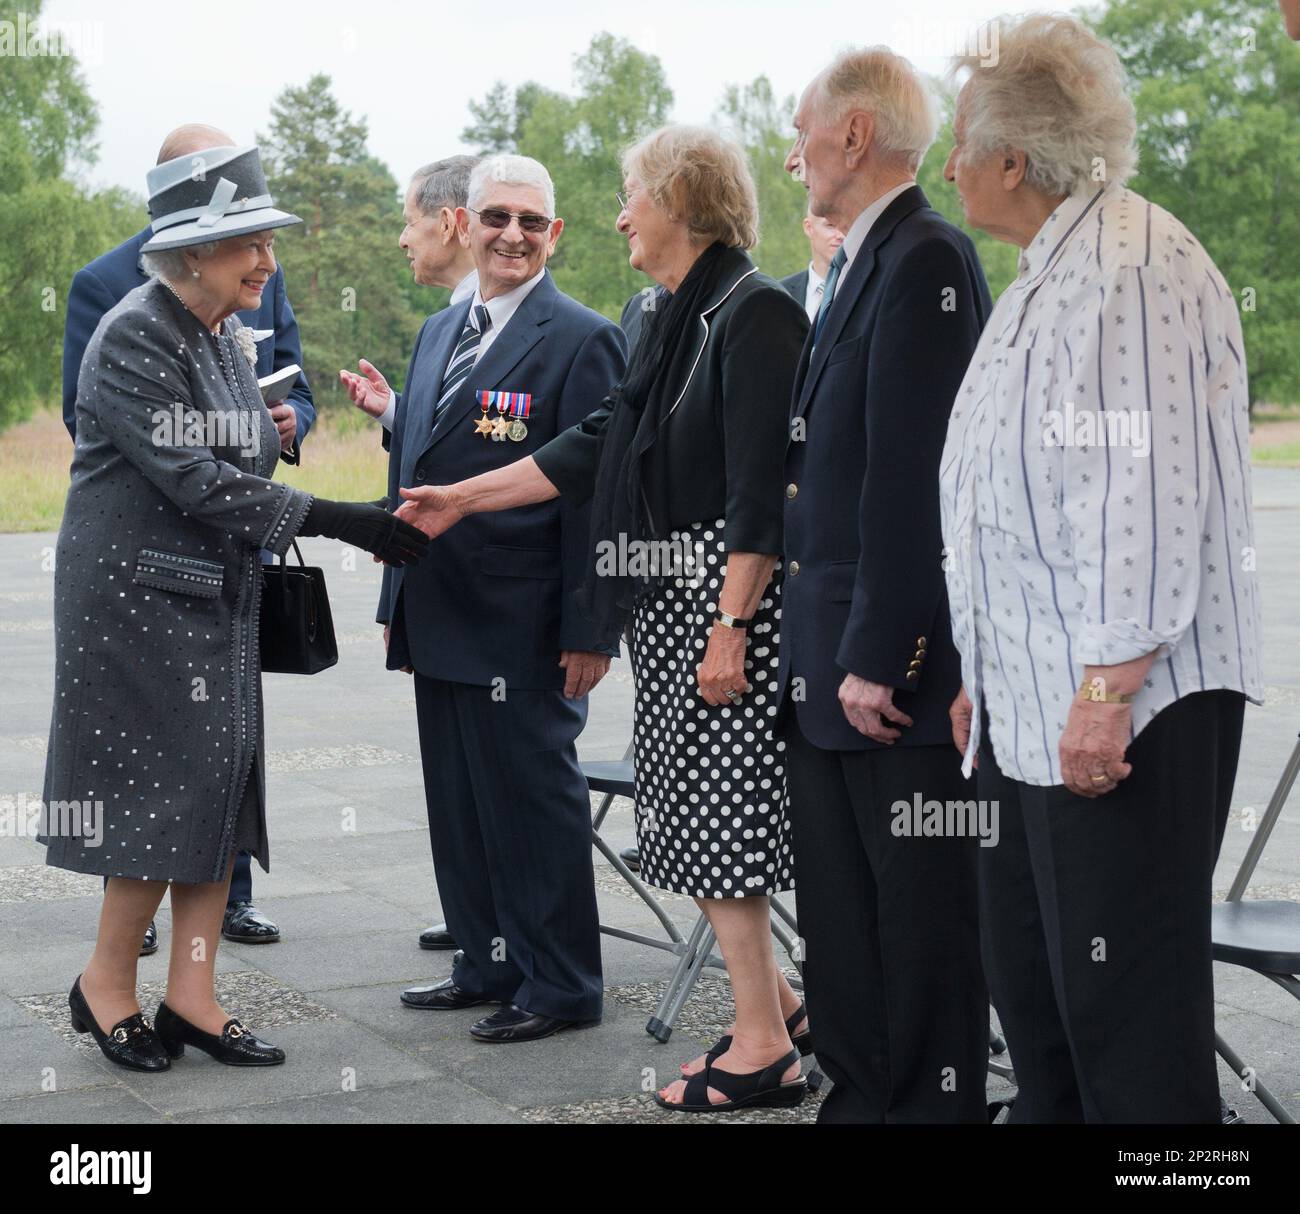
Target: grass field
[343, 459]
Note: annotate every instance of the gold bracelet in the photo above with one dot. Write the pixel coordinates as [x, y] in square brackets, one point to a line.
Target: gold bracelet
[1094, 692]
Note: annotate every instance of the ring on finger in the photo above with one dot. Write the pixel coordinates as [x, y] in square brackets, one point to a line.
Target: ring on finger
[732, 694]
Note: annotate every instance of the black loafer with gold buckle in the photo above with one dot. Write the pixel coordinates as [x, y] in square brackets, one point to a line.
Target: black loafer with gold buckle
[236, 1046]
[131, 1043]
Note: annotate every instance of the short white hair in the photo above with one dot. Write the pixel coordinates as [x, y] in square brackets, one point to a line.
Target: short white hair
[506, 169]
[171, 264]
[889, 88]
[1056, 92]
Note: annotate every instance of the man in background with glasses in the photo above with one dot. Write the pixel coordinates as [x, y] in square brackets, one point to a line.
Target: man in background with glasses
[502, 657]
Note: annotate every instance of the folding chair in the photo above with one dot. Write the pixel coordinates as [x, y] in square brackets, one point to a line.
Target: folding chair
[1261, 936]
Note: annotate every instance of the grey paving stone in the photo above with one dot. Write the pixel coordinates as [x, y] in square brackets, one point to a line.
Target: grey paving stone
[322, 1057]
[110, 1104]
[320, 963]
[53, 968]
[439, 1099]
[36, 1056]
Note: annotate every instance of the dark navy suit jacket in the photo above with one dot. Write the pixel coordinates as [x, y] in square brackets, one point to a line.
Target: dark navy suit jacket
[495, 596]
[96, 288]
[864, 590]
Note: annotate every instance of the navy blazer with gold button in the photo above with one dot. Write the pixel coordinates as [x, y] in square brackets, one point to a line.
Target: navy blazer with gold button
[495, 596]
[864, 589]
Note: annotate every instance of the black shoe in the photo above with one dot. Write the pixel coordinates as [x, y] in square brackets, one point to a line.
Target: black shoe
[763, 1089]
[132, 1043]
[514, 1024]
[803, 1042]
[150, 945]
[444, 996]
[245, 924]
[437, 938]
[235, 1047]
[631, 856]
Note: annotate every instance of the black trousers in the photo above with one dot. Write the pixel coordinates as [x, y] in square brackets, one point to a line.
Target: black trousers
[896, 1000]
[1096, 926]
[510, 828]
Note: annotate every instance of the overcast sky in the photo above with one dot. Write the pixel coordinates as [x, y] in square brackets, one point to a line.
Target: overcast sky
[411, 68]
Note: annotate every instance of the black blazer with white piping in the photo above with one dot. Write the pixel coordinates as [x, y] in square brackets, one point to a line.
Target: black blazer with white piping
[723, 442]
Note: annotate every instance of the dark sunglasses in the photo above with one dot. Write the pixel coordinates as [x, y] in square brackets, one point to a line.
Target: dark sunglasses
[492, 218]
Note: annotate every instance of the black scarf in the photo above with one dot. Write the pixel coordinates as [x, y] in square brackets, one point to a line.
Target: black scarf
[659, 367]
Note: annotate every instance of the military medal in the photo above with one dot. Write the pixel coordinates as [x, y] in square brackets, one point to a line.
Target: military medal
[512, 408]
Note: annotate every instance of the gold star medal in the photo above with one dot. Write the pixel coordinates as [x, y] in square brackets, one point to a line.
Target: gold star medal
[484, 424]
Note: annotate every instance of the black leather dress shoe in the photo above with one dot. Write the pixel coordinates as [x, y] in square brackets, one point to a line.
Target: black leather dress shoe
[631, 856]
[444, 996]
[150, 945]
[236, 1046]
[131, 1043]
[514, 1024]
[437, 938]
[245, 924]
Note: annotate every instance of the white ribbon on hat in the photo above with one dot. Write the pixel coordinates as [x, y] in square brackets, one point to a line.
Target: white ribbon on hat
[222, 197]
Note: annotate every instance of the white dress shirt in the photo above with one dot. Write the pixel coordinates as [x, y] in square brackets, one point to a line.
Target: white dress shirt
[1095, 484]
[812, 299]
[856, 236]
[466, 287]
[501, 308]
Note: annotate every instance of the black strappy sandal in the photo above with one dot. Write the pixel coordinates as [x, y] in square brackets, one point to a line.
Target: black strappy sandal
[757, 1090]
[803, 1043]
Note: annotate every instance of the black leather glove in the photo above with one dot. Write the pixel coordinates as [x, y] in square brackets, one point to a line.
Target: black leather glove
[366, 526]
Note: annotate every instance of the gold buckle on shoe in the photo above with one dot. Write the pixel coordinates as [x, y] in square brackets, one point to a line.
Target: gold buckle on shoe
[236, 1030]
[119, 1035]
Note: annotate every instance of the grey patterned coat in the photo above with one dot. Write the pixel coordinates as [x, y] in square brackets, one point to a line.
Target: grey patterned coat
[157, 690]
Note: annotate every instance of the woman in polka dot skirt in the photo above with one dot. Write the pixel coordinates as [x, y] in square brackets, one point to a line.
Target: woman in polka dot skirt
[683, 463]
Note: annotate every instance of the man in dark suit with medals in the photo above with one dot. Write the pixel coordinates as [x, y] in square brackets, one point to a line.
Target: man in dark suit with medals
[502, 657]
[894, 986]
[95, 289]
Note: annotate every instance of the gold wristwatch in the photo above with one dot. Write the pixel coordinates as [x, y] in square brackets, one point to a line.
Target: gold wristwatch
[727, 620]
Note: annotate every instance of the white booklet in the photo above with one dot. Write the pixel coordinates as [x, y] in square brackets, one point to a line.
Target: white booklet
[278, 384]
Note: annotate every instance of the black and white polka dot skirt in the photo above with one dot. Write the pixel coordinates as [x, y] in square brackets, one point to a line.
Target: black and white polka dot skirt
[710, 781]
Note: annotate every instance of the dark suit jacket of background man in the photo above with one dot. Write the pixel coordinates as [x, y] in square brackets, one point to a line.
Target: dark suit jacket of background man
[797, 285]
[97, 287]
[495, 598]
[865, 592]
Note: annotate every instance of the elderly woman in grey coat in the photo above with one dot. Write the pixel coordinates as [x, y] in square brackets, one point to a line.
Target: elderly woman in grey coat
[156, 745]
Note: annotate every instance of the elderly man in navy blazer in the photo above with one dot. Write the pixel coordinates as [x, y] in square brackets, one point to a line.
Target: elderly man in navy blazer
[887, 911]
[503, 658]
[96, 288]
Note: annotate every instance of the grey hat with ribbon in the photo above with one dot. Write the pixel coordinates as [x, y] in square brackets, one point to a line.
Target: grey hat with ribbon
[210, 195]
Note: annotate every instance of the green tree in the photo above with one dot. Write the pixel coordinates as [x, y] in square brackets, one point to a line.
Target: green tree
[50, 226]
[1217, 91]
[622, 94]
[764, 128]
[345, 277]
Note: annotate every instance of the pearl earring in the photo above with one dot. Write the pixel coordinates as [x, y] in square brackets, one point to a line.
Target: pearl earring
[194, 273]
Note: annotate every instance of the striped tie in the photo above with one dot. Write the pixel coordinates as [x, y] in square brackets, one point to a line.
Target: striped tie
[828, 294]
[462, 359]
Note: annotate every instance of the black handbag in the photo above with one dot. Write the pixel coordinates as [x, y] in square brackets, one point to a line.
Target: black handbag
[297, 629]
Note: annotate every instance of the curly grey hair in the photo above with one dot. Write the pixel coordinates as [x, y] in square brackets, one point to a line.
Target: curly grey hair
[1055, 91]
[171, 263]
